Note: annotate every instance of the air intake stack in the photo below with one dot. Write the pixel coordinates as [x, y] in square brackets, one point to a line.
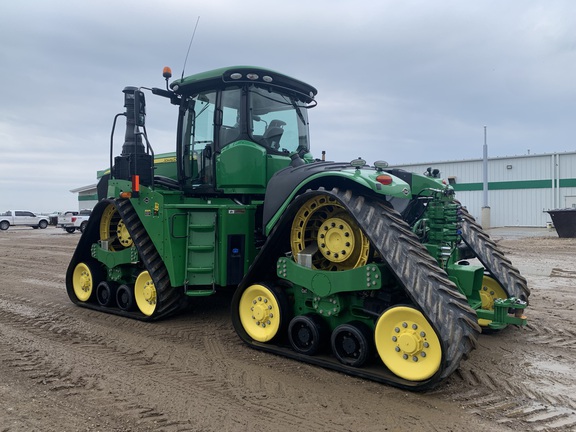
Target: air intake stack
[134, 159]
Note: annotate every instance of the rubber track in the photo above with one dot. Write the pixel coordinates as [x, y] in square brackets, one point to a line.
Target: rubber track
[423, 280]
[169, 300]
[493, 259]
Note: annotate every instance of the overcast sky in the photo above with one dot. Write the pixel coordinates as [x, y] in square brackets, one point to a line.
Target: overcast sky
[403, 81]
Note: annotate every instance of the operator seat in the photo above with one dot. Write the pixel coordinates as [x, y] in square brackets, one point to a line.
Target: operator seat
[273, 133]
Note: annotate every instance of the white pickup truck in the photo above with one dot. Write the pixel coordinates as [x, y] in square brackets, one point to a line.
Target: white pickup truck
[22, 218]
[73, 220]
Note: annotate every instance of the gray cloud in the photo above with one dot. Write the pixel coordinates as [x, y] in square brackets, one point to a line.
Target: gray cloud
[407, 82]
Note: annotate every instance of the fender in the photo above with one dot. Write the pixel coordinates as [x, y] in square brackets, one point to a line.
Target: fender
[291, 181]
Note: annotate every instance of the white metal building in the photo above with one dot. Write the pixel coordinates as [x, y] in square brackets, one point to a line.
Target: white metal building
[87, 196]
[520, 188]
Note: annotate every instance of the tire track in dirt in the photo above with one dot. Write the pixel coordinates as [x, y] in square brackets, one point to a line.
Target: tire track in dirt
[556, 337]
[216, 349]
[209, 391]
[512, 404]
[71, 379]
[484, 390]
[64, 391]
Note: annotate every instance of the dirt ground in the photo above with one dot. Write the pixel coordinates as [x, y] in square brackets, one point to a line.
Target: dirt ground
[65, 368]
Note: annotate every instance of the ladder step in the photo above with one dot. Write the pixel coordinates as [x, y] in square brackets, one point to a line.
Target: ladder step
[201, 248]
[200, 269]
[199, 293]
[201, 227]
[200, 251]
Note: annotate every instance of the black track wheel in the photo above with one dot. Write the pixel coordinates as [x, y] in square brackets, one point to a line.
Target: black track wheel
[350, 343]
[125, 298]
[307, 333]
[106, 293]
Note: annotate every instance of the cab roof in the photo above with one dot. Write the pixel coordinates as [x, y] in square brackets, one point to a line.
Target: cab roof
[222, 77]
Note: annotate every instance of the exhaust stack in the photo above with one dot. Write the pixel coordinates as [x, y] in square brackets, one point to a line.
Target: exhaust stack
[134, 159]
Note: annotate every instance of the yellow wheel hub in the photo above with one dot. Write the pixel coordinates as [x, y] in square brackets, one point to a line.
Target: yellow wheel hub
[82, 282]
[113, 230]
[341, 243]
[123, 235]
[335, 240]
[490, 291]
[145, 293]
[259, 312]
[407, 343]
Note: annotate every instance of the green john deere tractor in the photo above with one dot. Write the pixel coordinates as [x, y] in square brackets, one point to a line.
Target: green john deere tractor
[347, 266]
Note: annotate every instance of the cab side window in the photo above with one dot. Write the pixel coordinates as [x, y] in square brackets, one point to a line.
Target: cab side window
[230, 130]
[198, 135]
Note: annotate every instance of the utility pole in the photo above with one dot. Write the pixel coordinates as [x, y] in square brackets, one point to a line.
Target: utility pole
[485, 222]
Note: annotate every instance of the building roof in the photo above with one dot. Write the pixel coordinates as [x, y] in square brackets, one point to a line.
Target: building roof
[84, 188]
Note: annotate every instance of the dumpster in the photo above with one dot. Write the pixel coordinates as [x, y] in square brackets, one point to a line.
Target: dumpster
[564, 221]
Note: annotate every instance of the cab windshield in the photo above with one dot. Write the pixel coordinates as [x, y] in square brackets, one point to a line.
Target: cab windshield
[277, 121]
[214, 119]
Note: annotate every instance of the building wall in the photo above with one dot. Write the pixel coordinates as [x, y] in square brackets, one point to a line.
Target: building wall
[520, 188]
[87, 200]
[87, 196]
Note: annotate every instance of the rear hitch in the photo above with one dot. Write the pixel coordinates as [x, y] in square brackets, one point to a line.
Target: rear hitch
[506, 311]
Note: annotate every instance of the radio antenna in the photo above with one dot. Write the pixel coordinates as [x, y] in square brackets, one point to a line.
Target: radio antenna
[189, 45]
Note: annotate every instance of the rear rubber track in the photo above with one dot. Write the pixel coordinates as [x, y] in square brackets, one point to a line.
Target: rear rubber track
[424, 281]
[169, 299]
[492, 258]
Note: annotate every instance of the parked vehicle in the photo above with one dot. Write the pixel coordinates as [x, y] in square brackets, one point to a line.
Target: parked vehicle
[72, 221]
[22, 218]
[344, 265]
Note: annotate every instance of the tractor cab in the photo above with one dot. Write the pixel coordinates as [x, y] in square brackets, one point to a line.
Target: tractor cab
[239, 126]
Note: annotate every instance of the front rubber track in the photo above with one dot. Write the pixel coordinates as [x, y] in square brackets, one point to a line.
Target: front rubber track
[493, 259]
[169, 299]
[424, 281]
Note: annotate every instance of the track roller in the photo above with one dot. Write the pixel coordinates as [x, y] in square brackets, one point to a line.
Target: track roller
[125, 298]
[106, 293]
[351, 343]
[307, 333]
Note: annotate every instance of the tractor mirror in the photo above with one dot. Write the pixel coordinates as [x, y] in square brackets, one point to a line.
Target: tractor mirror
[139, 108]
